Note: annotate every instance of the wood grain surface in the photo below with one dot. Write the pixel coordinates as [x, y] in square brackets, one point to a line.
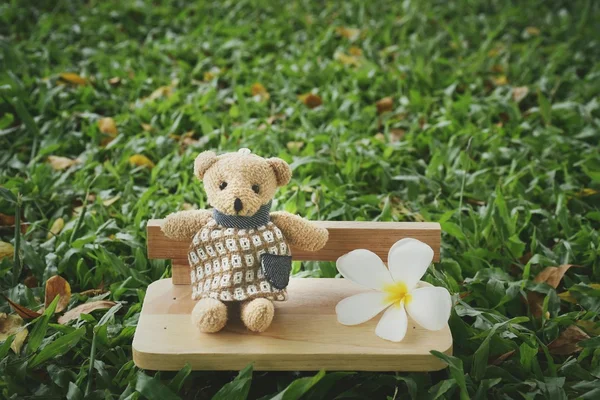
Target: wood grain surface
[304, 336]
[344, 236]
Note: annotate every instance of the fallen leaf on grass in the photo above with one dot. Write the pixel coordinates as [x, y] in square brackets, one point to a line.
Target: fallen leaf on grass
[30, 281]
[85, 308]
[6, 250]
[13, 325]
[553, 275]
[550, 275]
[519, 93]
[163, 91]
[114, 81]
[396, 135]
[500, 80]
[567, 342]
[349, 33]
[585, 192]
[569, 298]
[188, 206]
[108, 126]
[60, 163]
[73, 78]
[503, 357]
[92, 292]
[346, 59]
[111, 201]
[294, 146]
[355, 51]
[23, 311]
[140, 160]
[532, 31]
[146, 127]
[590, 327]
[258, 90]
[57, 286]
[273, 118]
[385, 104]
[311, 100]
[7, 220]
[56, 227]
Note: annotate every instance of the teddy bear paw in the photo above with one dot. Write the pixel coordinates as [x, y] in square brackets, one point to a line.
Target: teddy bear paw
[258, 314]
[209, 315]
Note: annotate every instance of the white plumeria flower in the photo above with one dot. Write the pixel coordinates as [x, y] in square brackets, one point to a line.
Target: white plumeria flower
[398, 289]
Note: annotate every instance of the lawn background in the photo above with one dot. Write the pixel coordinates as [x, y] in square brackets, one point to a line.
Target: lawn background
[492, 129]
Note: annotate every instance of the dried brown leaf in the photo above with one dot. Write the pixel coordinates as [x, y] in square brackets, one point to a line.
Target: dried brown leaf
[147, 127]
[258, 90]
[6, 250]
[355, 51]
[56, 227]
[519, 93]
[7, 220]
[13, 325]
[396, 135]
[114, 81]
[23, 311]
[85, 308]
[553, 275]
[385, 104]
[60, 163]
[57, 286]
[294, 146]
[590, 327]
[567, 342]
[108, 126]
[550, 275]
[346, 59]
[92, 292]
[311, 100]
[72, 78]
[500, 80]
[503, 357]
[349, 33]
[30, 281]
[140, 160]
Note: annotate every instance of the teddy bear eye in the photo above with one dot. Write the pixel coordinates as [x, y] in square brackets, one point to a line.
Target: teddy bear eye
[223, 185]
[256, 188]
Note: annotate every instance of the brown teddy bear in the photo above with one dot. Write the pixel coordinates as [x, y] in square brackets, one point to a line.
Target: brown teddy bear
[240, 251]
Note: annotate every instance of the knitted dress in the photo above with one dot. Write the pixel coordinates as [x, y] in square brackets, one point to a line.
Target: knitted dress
[235, 258]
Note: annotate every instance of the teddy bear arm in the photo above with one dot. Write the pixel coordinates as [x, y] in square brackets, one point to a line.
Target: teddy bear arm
[182, 225]
[300, 232]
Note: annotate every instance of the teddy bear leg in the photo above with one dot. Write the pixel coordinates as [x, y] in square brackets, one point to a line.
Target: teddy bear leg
[257, 314]
[209, 315]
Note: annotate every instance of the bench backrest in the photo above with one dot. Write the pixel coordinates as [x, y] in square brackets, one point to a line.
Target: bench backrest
[344, 236]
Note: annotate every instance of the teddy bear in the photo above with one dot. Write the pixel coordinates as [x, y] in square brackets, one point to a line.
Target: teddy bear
[240, 250]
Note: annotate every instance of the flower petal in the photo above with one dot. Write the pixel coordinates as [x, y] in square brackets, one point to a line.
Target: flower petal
[393, 324]
[360, 308]
[430, 307]
[408, 261]
[365, 268]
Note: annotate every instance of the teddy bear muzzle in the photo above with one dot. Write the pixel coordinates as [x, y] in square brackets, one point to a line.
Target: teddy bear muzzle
[238, 205]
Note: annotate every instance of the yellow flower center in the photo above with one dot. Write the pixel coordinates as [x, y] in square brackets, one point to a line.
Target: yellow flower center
[396, 292]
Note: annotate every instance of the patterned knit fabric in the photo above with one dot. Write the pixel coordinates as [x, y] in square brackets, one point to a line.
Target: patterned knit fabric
[225, 262]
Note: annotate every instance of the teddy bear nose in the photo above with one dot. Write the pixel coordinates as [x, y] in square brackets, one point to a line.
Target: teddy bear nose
[237, 205]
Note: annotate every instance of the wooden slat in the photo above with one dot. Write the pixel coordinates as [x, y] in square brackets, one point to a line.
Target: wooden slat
[304, 335]
[344, 236]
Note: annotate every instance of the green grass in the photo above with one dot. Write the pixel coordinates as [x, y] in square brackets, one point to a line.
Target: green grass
[514, 184]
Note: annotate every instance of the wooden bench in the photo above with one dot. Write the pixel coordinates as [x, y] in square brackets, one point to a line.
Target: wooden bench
[304, 335]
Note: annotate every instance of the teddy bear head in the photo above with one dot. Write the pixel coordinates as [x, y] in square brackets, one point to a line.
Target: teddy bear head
[240, 183]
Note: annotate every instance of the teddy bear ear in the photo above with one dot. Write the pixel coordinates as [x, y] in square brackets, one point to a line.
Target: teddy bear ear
[283, 172]
[203, 162]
